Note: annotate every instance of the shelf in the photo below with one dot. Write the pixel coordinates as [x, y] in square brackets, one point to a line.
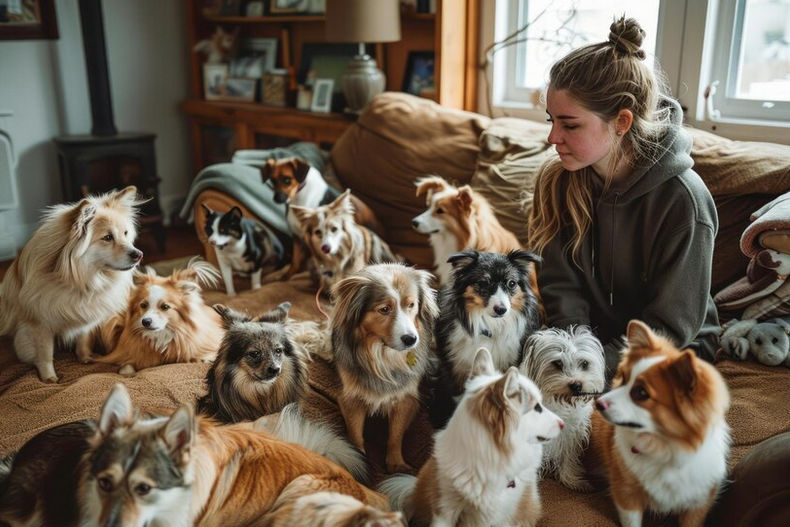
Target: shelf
[203, 108]
[259, 19]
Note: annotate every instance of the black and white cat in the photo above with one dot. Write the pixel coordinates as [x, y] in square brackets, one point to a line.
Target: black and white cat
[242, 245]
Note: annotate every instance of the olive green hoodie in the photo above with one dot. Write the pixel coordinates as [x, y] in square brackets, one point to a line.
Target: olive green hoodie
[647, 255]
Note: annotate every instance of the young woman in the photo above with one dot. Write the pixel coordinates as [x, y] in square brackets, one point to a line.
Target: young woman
[624, 225]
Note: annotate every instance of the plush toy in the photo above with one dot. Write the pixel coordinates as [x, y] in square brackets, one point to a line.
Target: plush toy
[220, 47]
[768, 341]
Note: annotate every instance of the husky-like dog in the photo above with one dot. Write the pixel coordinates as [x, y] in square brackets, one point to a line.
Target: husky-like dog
[484, 469]
[568, 367]
[381, 326]
[260, 367]
[161, 472]
[73, 274]
[166, 321]
[243, 245]
[338, 244]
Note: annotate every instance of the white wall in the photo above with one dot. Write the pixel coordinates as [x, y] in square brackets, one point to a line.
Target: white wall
[44, 83]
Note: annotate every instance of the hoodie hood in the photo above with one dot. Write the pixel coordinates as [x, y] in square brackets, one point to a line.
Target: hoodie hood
[673, 159]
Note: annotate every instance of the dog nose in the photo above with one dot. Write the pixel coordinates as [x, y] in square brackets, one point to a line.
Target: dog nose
[325, 249]
[279, 197]
[408, 339]
[415, 223]
[500, 310]
[602, 405]
[273, 370]
[146, 322]
[136, 255]
[576, 387]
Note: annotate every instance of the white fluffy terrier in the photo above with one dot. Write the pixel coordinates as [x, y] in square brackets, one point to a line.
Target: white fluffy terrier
[485, 464]
[568, 367]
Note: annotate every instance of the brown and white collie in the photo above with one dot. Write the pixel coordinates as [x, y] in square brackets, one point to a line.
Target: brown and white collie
[74, 274]
[381, 326]
[665, 441]
[458, 219]
[338, 244]
[166, 321]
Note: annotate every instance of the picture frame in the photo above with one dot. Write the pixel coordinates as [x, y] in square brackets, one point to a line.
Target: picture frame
[322, 96]
[32, 20]
[214, 78]
[256, 57]
[240, 89]
[274, 88]
[255, 9]
[419, 75]
[323, 60]
[288, 7]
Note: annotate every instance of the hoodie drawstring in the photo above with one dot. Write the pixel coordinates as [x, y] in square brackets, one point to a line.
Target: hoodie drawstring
[614, 230]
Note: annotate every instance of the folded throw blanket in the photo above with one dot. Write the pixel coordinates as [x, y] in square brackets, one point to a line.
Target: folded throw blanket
[242, 180]
[772, 216]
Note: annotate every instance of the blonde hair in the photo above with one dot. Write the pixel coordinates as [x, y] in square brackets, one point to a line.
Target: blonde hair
[602, 78]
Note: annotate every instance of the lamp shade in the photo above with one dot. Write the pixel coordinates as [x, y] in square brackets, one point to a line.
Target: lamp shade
[362, 20]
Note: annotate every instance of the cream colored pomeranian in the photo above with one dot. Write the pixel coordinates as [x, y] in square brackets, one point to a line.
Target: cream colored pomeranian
[73, 274]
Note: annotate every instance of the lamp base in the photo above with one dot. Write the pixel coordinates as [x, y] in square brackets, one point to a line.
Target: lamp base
[362, 81]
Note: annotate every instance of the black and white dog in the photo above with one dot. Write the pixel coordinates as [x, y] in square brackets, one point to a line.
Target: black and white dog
[487, 304]
[242, 245]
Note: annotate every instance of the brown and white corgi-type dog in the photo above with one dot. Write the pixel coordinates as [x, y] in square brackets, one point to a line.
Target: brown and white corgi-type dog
[381, 326]
[665, 441]
[166, 321]
[458, 219]
[74, 274]
[173, 471]
[296, 183]
[484, 469]
[338, 244]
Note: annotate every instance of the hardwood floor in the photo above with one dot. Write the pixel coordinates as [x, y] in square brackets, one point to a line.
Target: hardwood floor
[181, 241]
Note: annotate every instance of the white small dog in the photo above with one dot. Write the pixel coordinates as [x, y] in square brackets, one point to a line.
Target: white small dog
[568, 367]
[74, 274]
[484, 469]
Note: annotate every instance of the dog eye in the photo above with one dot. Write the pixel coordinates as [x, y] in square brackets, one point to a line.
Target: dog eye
[142, 489]
[511, 284]
[125, 233]
[286, 181]
[278, 351]
[334, 229]
[585, 365]
[638, 393]
[107, 237]
[384, 310]
[318, 232]
[105, 484]
[144, 305]
[254, 354]
[165, 307]
[557, 364]
[538, 408]
[440, 211]
[411, 305]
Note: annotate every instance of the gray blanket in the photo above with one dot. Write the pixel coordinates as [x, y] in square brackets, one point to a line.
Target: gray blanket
[241, 179]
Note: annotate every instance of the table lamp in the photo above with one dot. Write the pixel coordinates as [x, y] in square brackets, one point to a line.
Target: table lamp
[362, 21]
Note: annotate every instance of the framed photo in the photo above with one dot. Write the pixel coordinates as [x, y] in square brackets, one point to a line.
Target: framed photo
[256, 57]
[255, 9]
[275, 88]
[322, 96]
[419, 73]
[327, 61]
[240, 89]
[288, 7]
[214, 78]
[28, 20]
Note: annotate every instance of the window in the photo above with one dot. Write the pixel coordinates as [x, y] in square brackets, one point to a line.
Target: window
[740, 48]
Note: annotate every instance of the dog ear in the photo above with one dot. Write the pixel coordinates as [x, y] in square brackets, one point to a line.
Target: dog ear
[278, 314]
[351, 298]
[482, 364]
[523, 258]
[684, 372]
[512, 386]
[464, 198]
[236, 213]
[230, 316]
[639, 335]
[429, 185]
[302, 213]
[85, 212]
[343, 203]
[117, 410]
[429, 308]
[268, 169]
[179, 433]
[300, 169]
[461, 261]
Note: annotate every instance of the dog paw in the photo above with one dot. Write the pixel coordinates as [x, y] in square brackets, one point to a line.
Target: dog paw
[127, 371]
[50, 380]
[85, 359]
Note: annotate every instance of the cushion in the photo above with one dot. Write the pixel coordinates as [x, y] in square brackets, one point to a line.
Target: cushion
[397, 139]
[511, 152]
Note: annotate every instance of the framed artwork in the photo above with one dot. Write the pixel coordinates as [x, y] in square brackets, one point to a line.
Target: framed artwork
[321, 60]
[28, 20]
[322, 96]
[288, 7]
[256, 57]
[275, 88]
[214, 78]
[240, 89]
[419, 75]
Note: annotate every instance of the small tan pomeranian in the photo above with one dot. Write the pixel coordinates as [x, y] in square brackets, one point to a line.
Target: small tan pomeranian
[166, 321]
[74, 274]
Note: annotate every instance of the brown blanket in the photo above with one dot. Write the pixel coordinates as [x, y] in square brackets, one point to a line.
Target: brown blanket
[27, 406]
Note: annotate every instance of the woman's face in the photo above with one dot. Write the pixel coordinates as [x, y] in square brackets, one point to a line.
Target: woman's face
[581, 138]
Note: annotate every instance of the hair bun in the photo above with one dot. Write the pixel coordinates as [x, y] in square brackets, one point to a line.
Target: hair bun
[626, 35]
